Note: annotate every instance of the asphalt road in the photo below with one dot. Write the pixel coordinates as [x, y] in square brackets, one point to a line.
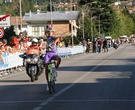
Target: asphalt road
[94, 81]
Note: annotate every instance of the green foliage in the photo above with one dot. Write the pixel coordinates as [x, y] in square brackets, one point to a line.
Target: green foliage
[87, 27]
[115, 23]
[28, 5]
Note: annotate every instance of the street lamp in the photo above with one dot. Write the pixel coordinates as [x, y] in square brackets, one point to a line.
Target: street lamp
[92, 17]
[99, 21]
[92, 24]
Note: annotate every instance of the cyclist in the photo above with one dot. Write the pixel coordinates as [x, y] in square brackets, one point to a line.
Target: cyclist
[51, 50]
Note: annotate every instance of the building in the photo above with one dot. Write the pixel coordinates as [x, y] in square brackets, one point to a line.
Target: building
[61, 21]
[16, 23]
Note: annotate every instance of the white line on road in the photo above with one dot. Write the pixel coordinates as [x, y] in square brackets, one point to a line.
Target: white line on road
[96, 100]
[69, 86]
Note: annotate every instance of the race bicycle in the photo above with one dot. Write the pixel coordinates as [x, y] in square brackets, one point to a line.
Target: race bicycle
[52, 74]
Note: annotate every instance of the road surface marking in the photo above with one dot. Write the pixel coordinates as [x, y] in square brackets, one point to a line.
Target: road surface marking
[98, 100]
[69, 86]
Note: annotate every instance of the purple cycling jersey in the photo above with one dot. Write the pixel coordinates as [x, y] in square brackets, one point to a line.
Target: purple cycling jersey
[50, 42]
[53, 52]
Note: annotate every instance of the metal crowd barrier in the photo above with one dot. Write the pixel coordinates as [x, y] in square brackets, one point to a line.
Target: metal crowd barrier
[13, 60]
[67, 51]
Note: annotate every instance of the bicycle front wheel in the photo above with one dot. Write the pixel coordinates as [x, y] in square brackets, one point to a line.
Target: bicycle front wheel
[51, 87]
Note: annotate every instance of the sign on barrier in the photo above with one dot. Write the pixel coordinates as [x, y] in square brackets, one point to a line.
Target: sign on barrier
[10, 61]
[1, 32]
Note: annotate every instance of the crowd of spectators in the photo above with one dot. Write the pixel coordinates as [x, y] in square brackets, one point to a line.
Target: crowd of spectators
[101, 45]
[19, 43]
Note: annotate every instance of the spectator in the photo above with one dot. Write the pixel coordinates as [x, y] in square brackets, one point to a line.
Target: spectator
[100, 44]
[1, 57]
[84, 43]
[29, 41]
[69, 42]
[88, 46]
[61, 43]
[105, 45]
[21, 35]
[21, 46]
[7, 47]
[25, 39]
[95, 46]
[42, 45]
[15, 42]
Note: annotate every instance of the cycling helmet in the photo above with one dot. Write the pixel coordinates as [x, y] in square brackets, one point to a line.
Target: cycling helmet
[35, 40]
[49, 28]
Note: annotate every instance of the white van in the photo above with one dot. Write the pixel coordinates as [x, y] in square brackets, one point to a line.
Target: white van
[108, 37]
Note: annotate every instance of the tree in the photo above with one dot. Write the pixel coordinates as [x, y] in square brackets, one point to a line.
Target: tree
[114, 23]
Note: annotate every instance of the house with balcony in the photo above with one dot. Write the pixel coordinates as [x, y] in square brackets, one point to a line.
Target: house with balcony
[64, 23]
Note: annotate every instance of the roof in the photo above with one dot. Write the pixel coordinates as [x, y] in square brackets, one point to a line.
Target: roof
[47, 16]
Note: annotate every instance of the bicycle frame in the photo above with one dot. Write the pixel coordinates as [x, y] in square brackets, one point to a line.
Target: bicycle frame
[51, 78]
[50, 72]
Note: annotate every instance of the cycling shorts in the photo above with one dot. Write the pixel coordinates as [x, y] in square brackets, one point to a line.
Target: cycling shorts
[49, 56]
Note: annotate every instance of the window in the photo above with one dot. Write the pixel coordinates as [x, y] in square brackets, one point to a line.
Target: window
[42, 30]
[35, 31]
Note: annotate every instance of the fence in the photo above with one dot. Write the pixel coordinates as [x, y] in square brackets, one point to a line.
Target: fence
[13, 60]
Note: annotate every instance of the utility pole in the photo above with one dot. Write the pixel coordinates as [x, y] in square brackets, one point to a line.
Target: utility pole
[71, 24]
[51, 13]
[99, 23]
[83, 23]
[20, 16]
[91, 26]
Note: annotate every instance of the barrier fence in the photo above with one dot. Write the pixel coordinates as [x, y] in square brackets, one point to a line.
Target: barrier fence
[13, 60]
